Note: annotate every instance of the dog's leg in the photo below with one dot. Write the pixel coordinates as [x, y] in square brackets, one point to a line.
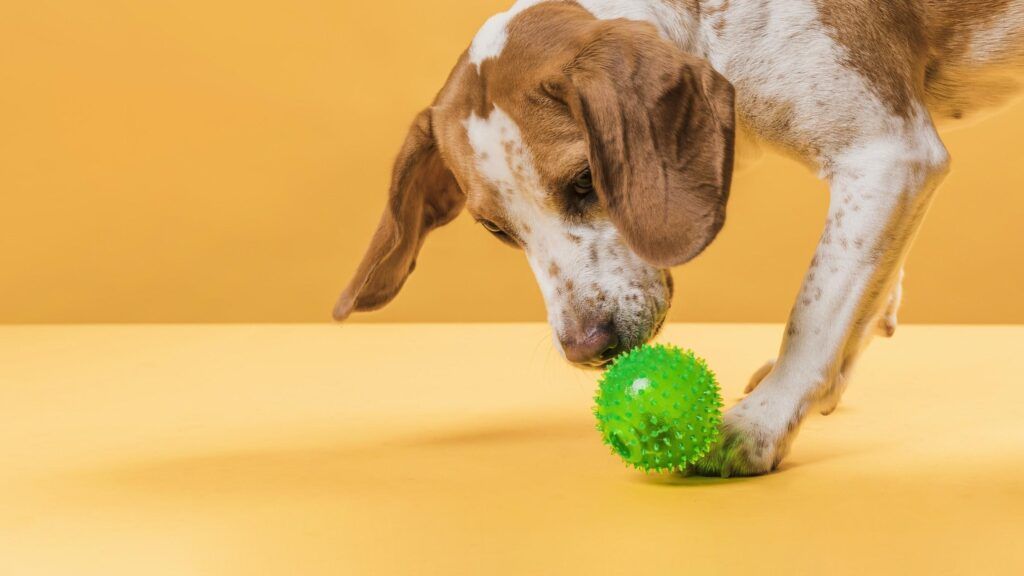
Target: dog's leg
[880, 190]
[884, 326]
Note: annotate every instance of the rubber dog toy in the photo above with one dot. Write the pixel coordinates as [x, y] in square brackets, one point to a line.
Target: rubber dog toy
[659, 408]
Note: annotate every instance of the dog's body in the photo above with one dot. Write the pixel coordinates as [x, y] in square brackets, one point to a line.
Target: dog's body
[599, 135]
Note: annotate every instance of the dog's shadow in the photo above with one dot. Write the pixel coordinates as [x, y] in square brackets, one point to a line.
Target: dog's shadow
[563, 450]
[338, 499]
[562, 454]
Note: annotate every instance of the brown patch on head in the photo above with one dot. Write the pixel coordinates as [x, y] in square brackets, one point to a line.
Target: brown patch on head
[540, 41]
[884, 43]
[514, 133]
[574, 84]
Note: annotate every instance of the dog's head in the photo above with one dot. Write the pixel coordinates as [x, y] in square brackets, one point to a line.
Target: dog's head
[596, 146]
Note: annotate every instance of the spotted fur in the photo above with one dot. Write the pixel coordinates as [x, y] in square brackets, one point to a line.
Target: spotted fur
[848, 87]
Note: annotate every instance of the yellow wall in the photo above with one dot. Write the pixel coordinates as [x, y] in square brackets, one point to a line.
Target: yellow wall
[227, 161]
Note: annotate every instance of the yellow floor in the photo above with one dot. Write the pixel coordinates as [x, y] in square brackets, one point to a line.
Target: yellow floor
[469, 449]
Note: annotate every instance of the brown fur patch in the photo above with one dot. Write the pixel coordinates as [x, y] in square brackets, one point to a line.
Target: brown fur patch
[884, 43]
[954, 84]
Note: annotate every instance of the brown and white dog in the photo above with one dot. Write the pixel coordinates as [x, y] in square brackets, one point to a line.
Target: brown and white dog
[599, 136]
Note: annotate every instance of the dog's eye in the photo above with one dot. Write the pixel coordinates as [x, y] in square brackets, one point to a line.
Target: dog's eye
[583, 183]
[579, 197]
[491, 227]
[498, 232]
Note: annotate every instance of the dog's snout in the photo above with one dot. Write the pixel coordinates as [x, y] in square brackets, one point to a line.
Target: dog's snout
[593, 345]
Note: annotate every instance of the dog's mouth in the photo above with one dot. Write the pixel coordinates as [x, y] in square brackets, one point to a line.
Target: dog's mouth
[601, 363]
[659, 323]
[636, 326]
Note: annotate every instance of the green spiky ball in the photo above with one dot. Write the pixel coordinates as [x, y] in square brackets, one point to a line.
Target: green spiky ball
[659, 408]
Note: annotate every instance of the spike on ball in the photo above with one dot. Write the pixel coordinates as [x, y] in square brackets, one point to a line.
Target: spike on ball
[646, 433]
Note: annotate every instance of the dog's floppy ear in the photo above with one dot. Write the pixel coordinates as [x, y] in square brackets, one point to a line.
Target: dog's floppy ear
[659, 125]
[423, 196]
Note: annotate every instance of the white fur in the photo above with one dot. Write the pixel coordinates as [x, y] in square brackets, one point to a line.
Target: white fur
[780, 52]
[879, 192]
[881, 179]
[873, 183]
[490, 40]
[488, 136]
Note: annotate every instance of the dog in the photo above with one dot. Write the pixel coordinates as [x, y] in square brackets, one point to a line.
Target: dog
[600, 137]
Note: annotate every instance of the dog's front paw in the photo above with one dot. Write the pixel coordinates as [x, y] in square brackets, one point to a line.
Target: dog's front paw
[755, 437]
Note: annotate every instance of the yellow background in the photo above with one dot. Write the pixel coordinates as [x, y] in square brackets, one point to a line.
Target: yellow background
[193, 161]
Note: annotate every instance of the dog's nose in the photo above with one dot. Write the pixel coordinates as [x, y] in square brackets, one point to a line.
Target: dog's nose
[593, 346]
